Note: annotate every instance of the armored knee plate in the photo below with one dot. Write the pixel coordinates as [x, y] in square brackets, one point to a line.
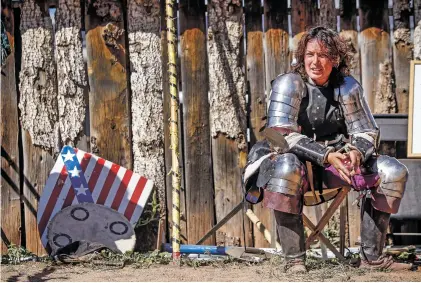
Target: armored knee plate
[283, 177]
[393, 175]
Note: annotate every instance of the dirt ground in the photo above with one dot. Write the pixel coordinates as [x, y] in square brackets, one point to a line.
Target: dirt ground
[239, 272]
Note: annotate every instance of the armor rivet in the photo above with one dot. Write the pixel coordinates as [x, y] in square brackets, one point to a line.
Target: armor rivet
[318, 96]
[318, 107]
[313, 129]
[315, 118]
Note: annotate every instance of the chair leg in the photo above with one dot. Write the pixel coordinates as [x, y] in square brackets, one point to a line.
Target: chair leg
[325, 218]
[323, 239]
[342, 223]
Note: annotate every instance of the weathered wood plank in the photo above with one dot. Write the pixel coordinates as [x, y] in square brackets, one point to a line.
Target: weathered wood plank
[147, 103]
[376, 66]
[39, 111]
[304, 15]
[402, 52]
[227, 114]
[417, 11]
[71, 74]
[10, 180]
[348, 31]
[257, 97]
[277, 55]
[227, 180]
[108, 95]
[37, 166]
[327, 14]
[354, 219]
[197, 151]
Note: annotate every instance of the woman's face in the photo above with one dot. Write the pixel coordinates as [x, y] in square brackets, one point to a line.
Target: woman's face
[317, 64]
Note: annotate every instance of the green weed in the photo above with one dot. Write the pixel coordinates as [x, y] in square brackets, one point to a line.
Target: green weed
[15, 255]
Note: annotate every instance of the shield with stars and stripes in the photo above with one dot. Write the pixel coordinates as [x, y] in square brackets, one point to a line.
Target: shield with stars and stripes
[81, 177]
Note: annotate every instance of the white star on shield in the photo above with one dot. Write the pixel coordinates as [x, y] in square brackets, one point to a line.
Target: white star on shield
[75, 172]
[68, 156]
[81, 190]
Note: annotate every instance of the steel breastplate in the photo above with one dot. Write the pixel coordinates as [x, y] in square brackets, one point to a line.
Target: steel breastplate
[320, 114]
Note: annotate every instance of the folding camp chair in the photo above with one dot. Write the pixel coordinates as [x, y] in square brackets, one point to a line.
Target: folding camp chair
[315, 197]
[310, 198]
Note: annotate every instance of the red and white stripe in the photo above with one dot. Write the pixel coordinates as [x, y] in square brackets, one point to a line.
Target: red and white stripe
[110, 184]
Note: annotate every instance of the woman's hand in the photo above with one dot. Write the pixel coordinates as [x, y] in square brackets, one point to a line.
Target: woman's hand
[355, 157]
[336, 160]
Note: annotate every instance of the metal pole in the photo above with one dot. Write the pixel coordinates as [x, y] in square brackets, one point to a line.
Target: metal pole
[176, 179]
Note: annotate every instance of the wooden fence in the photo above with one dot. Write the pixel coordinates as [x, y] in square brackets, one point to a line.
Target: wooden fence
[111, 98]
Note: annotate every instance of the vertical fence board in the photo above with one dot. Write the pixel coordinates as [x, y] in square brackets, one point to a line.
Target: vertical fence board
[167, 138]
[147, 104]
[348, 31]
[227, 113]
[277, 61]
[71, 76]
[276, 40]
[303, 16]
[376, 67]
[37, 166]
[108, 95]
[197, 151]
[402, 52]
[257, 97]
[327, 14]
[354, 219]
[417, 11]
[10, 181]
[39, 111]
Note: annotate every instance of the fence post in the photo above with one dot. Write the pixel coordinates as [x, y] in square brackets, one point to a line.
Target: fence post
[376, 65]
[39, 111]
[348, 31]
[402, 52]
[277, 61]
[256, 93]
[227, 115]
[197, 148]
[108, 94]
[144, 41]
[10, 166]
[71, 75]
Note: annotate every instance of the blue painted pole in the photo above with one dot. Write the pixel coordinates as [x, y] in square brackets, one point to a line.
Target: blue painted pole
[198, 249]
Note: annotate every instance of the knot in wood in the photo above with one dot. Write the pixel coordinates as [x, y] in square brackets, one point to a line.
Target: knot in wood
[107, 9]
[111, 34]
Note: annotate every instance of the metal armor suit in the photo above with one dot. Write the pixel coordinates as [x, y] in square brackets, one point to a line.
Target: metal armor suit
[316, 121]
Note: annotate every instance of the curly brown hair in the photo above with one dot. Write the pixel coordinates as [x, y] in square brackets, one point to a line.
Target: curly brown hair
[337, 50]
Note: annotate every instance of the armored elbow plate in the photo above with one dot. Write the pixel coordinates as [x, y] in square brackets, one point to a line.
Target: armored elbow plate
[357, 114]
[286, 94]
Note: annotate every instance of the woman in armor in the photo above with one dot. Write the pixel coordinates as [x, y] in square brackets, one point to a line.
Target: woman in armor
[321, 112]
